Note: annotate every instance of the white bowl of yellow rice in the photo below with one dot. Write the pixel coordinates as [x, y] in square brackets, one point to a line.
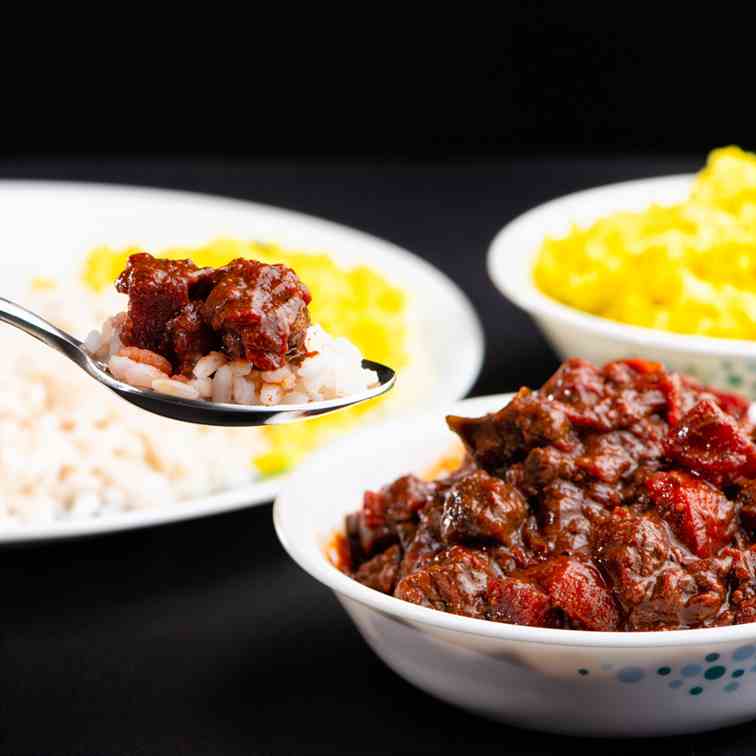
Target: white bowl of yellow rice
[663, 269]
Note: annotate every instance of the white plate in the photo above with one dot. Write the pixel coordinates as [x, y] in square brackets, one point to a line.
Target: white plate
[46, 228]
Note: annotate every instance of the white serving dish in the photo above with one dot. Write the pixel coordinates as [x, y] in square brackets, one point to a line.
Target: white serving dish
[48, 227]
[564, 681]
[726, 363]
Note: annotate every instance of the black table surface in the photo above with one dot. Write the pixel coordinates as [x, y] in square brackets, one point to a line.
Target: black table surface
[203, 637]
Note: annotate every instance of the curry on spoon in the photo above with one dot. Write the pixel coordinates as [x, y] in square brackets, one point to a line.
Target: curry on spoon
[222, 346]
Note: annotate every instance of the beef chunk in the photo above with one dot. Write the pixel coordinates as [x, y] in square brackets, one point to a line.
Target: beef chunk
[407, 495]
[260, 311]
[579, 387]
[657, 585]
[381, 572]
[562, 515]
[700, 515]
[500, 438]
[426, 543]
[670, 594]
[619, 396]
[609, 457]
[188, 338]
[367, 536]
[456, 582]
[158, 290]
[743, 594]
[613, 398]
[481, 507]
[543, 466]
[633, 550]
[378, 523]
[710, 442]
[296, 350]
[710, 577]
[406, 532]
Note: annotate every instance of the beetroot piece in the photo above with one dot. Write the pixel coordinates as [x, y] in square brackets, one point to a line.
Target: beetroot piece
[576, 586]
[701, 516]
[711, 443]
[520, 602]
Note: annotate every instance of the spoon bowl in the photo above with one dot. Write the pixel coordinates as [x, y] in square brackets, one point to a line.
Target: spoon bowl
[199, 411]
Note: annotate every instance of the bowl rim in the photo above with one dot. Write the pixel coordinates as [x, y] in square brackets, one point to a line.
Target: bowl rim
[307, 552]
[508, 242]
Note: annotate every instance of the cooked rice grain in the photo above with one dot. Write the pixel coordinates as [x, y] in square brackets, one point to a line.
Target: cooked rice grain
[333, 369]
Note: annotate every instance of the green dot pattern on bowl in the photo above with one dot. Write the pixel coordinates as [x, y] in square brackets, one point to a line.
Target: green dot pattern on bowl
[630, 675]
[714, 673]
[707, 672]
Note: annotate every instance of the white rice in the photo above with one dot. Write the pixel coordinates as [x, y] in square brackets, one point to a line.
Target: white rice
[334, 370]
[71, 449]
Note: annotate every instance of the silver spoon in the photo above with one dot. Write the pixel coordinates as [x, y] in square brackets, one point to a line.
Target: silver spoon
[189, 410]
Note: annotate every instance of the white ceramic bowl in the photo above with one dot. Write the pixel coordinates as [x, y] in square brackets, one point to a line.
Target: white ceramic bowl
[567, 681]
[726, 363]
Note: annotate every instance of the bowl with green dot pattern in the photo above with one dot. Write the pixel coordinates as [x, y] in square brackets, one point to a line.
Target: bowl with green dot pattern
[564, 681]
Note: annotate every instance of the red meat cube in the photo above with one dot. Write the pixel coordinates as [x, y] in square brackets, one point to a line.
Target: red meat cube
[710, 442]
[701, 516]
[457, 582]
[382, 571]
[482, 507]
[158, 290]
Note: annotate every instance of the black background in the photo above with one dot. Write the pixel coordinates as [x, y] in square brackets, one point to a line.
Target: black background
[203, 637]
[515, 79]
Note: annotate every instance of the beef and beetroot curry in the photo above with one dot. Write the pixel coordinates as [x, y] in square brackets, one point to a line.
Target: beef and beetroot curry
[238, 333]
[620, 498]
[245, 309]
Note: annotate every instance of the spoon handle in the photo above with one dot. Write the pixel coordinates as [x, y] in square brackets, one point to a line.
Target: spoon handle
[39, 328]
